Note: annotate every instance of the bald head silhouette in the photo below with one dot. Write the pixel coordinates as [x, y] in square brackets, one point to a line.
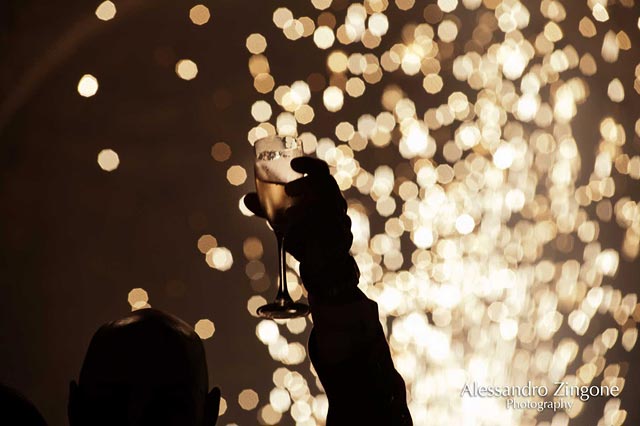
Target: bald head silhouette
[148, 368]
[16, 409]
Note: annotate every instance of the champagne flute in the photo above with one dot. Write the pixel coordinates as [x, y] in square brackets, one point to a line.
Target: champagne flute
[272, 171]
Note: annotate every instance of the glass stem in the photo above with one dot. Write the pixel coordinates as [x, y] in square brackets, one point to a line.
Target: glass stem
[283, 296]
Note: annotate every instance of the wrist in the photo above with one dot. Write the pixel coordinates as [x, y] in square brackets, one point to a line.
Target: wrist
[333, 282]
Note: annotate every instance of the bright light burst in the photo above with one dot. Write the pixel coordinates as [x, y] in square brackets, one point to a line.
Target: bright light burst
[484, 219]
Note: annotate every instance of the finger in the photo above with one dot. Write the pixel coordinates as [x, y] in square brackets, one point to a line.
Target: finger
[309, 165]
[313, 184]
[317, 198]
[318, 220]
[299, 187]
[252, 202]
[296, 213]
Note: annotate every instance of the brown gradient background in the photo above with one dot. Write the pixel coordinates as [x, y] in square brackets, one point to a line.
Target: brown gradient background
[75, 239]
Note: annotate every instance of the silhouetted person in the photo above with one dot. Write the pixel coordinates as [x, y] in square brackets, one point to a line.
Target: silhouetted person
[347, 345]
[17, 410]
[148, 368]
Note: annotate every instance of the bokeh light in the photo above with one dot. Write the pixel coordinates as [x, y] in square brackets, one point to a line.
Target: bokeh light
[252, 248]
[206, 242]
[138, 299]
[221, 151]
[323, 37]
[219, 258]
[205, 328]
[478, 210]
[236, 175]
[199, 14]
[106, 11]
[223, 406]
[186, 69]
[108, 160]
[256, 43]
[476, 218]
[87, 86]
[248, 399]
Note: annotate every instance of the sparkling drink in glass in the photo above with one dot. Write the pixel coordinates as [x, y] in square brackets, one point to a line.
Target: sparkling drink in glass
[272, 172]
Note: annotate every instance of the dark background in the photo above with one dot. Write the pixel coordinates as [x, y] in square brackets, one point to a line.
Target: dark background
[75, 239]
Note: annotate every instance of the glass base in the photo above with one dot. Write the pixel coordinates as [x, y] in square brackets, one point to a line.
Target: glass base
[283, 310]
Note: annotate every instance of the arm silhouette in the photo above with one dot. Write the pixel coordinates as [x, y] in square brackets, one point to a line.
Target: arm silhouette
[347, 346]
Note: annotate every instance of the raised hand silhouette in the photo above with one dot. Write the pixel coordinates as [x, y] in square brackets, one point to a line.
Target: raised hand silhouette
[347, 345]
[318, 234]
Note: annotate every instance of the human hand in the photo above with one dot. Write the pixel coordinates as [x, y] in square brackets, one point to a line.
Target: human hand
[318, 232]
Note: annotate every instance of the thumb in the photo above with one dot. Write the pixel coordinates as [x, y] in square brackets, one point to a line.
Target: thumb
[252, 202]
